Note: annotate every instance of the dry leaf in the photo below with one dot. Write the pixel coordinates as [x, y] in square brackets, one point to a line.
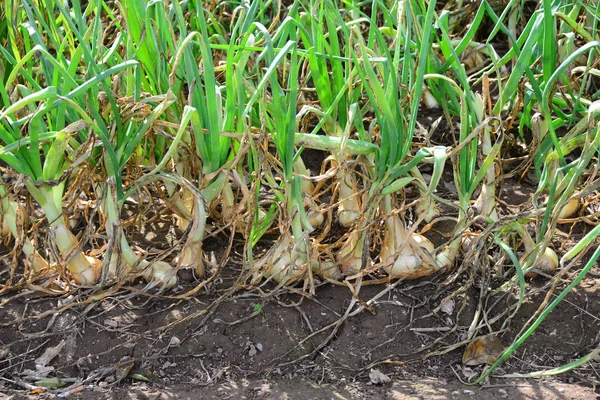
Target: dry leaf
[49, 354]
[144, 375]
[124, 368]
[483, 350]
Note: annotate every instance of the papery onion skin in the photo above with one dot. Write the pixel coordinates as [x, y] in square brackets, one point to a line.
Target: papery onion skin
[427, 209]
[315, 217]
[349, 209]
[326, 270]
[191, 257]
[349, 258]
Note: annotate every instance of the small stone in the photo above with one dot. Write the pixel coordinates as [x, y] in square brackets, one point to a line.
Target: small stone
[174, 342]
[377, 377]
[561, 390]
[259, 347]
[447, 306]
[503, 393]
[252, 352]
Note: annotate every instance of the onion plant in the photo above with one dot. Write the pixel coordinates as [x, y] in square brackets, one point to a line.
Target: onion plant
[319, 31]
[44, 130]
[291, 257]
[43, 181]
[389, 81]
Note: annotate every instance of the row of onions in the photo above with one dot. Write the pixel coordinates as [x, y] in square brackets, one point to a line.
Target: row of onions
[118, 104]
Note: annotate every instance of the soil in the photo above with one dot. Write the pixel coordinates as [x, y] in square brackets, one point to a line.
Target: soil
[249, 346]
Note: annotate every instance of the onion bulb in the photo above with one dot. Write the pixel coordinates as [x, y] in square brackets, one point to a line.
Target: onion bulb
[429, 99]
[191, 257]
[445, 258]
[349, 209]
[285, 262]
[13, 215]
[315, 216]
[38, 264]
[84, 269]
[398, 253]
[547, 262]
[326, 270]
[349, 258]
[486, 203]
[569, 209]
[160, 273]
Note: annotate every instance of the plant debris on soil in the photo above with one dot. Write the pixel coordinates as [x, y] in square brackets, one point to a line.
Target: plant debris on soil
[407, 342]
[253, 349]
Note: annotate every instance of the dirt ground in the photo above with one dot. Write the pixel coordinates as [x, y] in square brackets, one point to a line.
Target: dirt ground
[306, 390]
[245, 346]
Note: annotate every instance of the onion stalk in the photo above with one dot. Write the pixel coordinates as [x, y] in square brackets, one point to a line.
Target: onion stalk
[11, 212]
[291, 258]
[350, 207]
[540, 128]
[84, 269]
[315, 216]
[486, 202]
[395, 123]
[158, 273]
[349, 257]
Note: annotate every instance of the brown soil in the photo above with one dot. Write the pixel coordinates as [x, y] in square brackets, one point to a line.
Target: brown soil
[251, 347]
